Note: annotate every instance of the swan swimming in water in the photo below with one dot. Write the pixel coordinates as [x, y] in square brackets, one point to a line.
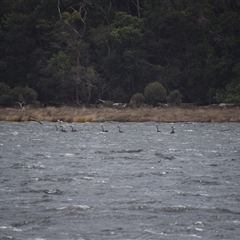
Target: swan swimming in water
[62, 130]
[158, 129]
[56, 127]
[172, 130]
[104, 130]
[119, 129]
[73, 130]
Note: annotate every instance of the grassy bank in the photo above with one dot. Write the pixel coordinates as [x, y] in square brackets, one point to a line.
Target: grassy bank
[71, 114]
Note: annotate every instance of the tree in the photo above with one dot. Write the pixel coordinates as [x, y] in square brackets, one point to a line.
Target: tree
[137, 99]
[125, 38]
[5, 95]
[174, 98]
[24, 95]
[77, 50]
[231, 94]
[155, 93]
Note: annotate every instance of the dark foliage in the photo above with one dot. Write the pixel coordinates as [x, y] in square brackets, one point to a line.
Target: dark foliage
[78, 51]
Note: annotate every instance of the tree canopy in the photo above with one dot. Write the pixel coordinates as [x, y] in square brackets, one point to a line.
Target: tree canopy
[78, 51]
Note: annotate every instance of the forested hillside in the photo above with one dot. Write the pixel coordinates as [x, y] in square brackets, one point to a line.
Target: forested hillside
[78, 51]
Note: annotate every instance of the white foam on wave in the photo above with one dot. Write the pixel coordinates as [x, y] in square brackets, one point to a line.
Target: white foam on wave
[199, 154]
[69, 154]
[196, 236]
[4, 134]
[12, 228]
[75, 206]
[236, 222]
[198, 223]
[83, 207]
[88, 178]
[150, 231]
[17, 229]
[61, 208]
[35, 179]
[36, 139]
[182, 235]
[36, 239]
[213, 151]
[173, 149]
[191, 149]
[3, 227]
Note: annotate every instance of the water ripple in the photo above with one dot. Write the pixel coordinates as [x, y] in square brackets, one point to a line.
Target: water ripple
[135, 185]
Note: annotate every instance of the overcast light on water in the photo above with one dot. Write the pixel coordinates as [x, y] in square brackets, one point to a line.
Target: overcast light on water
[137, 184]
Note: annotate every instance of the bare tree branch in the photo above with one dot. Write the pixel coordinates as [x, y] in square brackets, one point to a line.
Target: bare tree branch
[138, 7]
[84, 18]
[59, 11]
[105, 14]
[21, 105]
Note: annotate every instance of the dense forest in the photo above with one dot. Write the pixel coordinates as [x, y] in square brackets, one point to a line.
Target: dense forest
[70, 52]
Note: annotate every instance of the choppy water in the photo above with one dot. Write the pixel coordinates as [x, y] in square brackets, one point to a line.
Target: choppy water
[138, 184]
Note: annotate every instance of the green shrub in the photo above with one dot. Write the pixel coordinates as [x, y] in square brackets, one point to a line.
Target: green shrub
[231, 94]
[26, 94]
[155, 93]
[174, 98]
[108, 104]
[137, 99]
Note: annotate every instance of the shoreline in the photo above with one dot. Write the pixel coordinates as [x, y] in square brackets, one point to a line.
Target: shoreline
[158, 114]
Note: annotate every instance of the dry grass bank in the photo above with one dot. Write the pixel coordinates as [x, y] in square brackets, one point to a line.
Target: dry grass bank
[71, 114]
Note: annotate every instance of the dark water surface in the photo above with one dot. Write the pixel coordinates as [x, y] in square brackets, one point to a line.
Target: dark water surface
[139, 184]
